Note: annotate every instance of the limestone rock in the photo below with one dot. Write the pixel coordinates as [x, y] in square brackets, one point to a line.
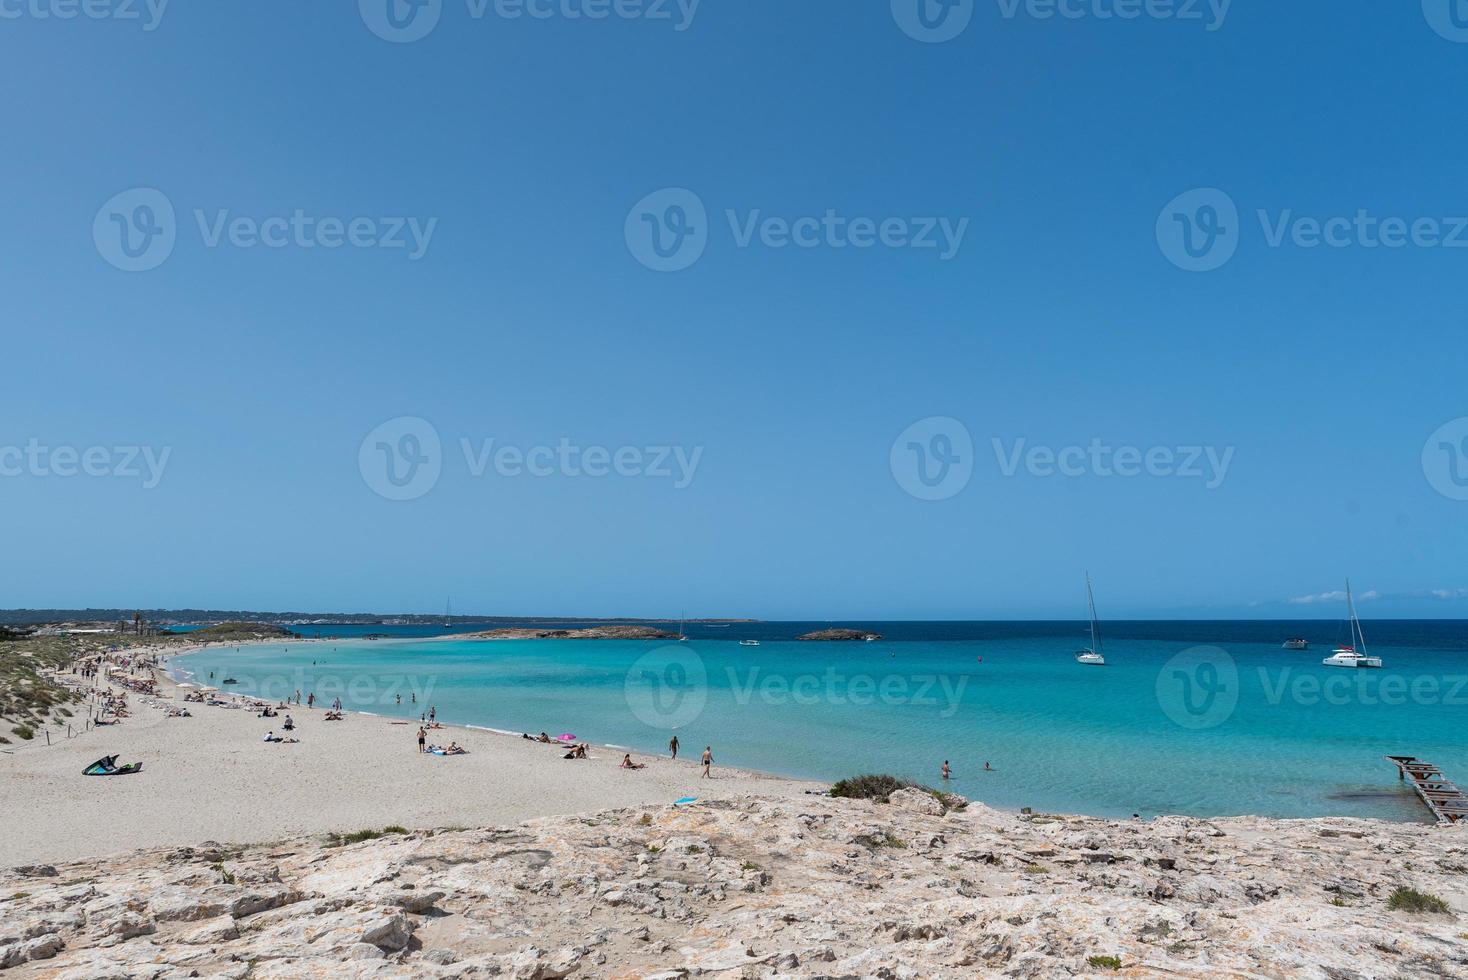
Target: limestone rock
[763, 888]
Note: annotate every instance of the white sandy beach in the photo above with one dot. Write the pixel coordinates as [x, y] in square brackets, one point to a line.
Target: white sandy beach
[211, 777]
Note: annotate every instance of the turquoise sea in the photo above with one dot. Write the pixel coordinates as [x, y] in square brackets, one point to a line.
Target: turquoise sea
[1187, 717]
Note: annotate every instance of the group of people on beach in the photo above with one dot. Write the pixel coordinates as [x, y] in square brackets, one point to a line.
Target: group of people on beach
[706, 761]
[453, 748]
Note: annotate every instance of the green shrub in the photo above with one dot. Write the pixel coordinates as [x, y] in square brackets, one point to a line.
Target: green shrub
[870, 787]
[358, 836]
[1411, 900]
[1105, 962]
[25, 732]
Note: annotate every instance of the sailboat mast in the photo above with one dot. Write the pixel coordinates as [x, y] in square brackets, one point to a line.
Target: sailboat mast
[1091, 608]
[1357, 634]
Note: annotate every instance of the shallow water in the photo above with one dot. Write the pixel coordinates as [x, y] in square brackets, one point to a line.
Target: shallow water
[1198, 718]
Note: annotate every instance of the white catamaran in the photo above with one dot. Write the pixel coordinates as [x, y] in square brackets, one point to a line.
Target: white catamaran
[1092, 656]
[1353, 654]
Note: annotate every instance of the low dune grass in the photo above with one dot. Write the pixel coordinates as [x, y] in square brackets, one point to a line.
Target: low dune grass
[1411, 900]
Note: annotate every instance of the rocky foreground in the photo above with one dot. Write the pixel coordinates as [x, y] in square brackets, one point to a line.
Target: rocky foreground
[762, 887]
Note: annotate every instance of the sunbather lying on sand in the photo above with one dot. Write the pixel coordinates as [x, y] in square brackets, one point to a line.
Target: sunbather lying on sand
[579, 752]
[627, 763]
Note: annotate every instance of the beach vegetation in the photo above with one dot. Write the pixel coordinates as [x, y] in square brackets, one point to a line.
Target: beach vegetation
[879, 788]
[1411, 900]
[359, 836]
[948, 801]
[1036, 869]
[29, 697]
[1338, 902]
[869, 787]
[750, 866]
[654, 849]
[1105, 962]
[645, 820]
[240, 631]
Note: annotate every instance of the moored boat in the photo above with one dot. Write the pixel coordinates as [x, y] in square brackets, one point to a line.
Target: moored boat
[1352, 654]
[1092, 656]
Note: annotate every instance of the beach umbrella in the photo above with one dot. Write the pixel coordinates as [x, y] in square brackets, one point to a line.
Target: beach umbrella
[566, 737]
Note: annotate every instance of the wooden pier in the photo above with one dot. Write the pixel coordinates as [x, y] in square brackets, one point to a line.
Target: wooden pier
[1448, 803]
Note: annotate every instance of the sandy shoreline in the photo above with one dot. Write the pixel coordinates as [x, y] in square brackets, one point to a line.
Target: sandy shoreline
[211, 777]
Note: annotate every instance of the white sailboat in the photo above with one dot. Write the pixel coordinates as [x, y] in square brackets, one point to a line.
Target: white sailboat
[448, 613]
[1353, 654]
[682, 637]
[1092, 656]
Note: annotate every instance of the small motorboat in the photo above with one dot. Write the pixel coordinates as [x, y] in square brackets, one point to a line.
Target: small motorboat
[229, 680]
[871, 638]
[749, 643]
[1296, 643]
[107, 766]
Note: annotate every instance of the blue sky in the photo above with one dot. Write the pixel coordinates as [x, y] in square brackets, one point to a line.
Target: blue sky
[535, 148]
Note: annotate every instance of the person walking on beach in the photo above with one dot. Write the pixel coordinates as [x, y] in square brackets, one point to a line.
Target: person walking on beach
[422, 740]
[432, 713]
[673, 746]
[311, 700]
[946, 771]
[707, 761]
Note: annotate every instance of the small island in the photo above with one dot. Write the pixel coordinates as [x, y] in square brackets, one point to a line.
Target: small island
[585, 633]
[840, 634]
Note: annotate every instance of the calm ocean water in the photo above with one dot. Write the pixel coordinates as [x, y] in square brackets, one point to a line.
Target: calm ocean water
[1204, 718]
